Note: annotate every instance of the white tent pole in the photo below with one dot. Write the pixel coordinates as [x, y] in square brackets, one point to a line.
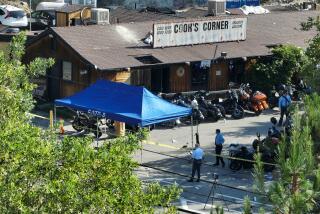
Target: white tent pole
[192, 131]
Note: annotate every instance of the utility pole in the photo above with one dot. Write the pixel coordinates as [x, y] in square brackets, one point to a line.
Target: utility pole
[30, 15]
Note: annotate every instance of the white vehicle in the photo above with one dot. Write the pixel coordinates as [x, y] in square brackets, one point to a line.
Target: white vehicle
[12, 16]
[50, 5]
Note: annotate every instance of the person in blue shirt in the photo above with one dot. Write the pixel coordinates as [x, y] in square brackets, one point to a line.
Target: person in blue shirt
[197, 156]
[219, 140]
[284, 103]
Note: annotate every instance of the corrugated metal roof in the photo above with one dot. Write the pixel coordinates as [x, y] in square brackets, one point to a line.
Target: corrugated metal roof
[115, 46]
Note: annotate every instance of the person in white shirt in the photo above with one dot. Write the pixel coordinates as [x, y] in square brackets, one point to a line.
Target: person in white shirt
[197, 156]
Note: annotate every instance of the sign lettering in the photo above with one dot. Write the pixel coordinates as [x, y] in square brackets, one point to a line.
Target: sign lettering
[199, 31]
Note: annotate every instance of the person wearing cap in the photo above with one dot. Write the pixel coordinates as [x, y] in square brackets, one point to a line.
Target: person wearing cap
[284, 103]
[219, 140]
[197, 156]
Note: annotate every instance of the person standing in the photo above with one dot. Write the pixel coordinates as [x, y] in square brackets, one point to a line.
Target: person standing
[219, 140]
[284, 103]
[197, 156]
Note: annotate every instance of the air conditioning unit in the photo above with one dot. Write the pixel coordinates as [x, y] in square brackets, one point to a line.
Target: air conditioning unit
[100, 16]
[216, 7]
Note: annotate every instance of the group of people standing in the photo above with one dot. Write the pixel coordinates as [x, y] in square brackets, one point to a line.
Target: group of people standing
[198, 155]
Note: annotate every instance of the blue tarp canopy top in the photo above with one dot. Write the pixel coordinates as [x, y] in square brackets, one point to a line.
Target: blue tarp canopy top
[124, 103]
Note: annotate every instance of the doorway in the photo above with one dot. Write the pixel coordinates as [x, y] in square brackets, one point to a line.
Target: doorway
[199, 76]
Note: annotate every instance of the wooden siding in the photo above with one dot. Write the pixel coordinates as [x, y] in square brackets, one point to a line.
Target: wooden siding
[218, 82]
[177, 83]
[141, 77]
[64, 19]
[61, 19]
[58, 86]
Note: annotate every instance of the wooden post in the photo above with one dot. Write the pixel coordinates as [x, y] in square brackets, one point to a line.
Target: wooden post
[120, 128]
[51, 119]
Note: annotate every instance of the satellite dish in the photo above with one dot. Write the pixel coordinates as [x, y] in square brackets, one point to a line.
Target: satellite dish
[180, 71]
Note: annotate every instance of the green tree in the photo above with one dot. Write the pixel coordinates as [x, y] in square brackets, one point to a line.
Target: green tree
[285, 61]
[247, 205]
[41, 173]
[296, 190]
[311, 70]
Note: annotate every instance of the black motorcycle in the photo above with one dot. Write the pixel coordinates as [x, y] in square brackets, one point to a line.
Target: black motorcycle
[231, 105]
[240, 152]
[83, 121]
[211, 110]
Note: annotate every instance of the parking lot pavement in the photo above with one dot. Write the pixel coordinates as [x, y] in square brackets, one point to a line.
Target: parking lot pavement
[165, 158]
[166, 155]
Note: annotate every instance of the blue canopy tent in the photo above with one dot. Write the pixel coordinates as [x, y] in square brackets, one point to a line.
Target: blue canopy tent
[134, 105]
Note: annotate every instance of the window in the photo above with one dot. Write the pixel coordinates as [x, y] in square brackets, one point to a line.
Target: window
[2, 13]
[66, 70]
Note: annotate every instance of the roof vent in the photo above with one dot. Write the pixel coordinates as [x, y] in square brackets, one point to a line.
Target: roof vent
[148, 59]
[100, 15]
[216, 7]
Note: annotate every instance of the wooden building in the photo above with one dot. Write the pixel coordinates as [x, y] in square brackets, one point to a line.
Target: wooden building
[118, 52]
[72, 15]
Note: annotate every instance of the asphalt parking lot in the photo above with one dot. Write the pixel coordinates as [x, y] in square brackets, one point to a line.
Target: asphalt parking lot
[165, 158]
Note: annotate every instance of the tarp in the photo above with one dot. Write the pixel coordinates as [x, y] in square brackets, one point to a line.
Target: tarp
[124, 103]
[239, 3]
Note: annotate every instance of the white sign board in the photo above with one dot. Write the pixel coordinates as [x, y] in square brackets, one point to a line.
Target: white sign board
[191, 32]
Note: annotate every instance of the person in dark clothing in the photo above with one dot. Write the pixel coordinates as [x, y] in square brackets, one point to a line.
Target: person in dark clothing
[284, 103]
[219, 140]
[197, 156]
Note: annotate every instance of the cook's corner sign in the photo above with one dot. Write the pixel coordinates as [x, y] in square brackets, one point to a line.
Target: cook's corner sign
[199, 31]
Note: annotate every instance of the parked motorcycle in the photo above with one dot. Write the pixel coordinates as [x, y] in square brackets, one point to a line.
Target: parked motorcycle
[241, 152]
[181, 100]
[209, 110]
[230, 105]
[255, 102]
[267, 147]
[82, 122]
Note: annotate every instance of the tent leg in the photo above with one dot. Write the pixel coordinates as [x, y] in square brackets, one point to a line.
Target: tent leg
[97, 137]
[141, 147]
[55, 114]
[192, 131]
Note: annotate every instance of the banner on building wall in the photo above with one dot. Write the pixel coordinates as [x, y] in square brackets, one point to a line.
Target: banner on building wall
[199, 31]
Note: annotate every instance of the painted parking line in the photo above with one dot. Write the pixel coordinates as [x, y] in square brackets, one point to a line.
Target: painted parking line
[160, 144]
[161, 180]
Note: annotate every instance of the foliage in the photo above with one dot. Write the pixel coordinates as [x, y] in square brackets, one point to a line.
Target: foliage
[41, 173]
[297, 188]
[312, 104]
[247, 206]
[258, 174]
[312, 67]
[15, 86]
[285, 61]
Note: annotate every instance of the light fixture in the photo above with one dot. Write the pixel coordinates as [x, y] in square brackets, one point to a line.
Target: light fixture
[223, 54]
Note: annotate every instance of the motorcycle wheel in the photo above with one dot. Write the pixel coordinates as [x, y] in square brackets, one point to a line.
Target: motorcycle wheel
[76, 125]
[235, 165]
[257, 113]
[222, 110]
[237, 113]
[96, 133]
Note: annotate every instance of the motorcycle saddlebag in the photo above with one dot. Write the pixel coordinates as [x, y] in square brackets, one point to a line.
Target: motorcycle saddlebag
[260, 106]
[265, 104]
[255, 107]
[259, 96]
